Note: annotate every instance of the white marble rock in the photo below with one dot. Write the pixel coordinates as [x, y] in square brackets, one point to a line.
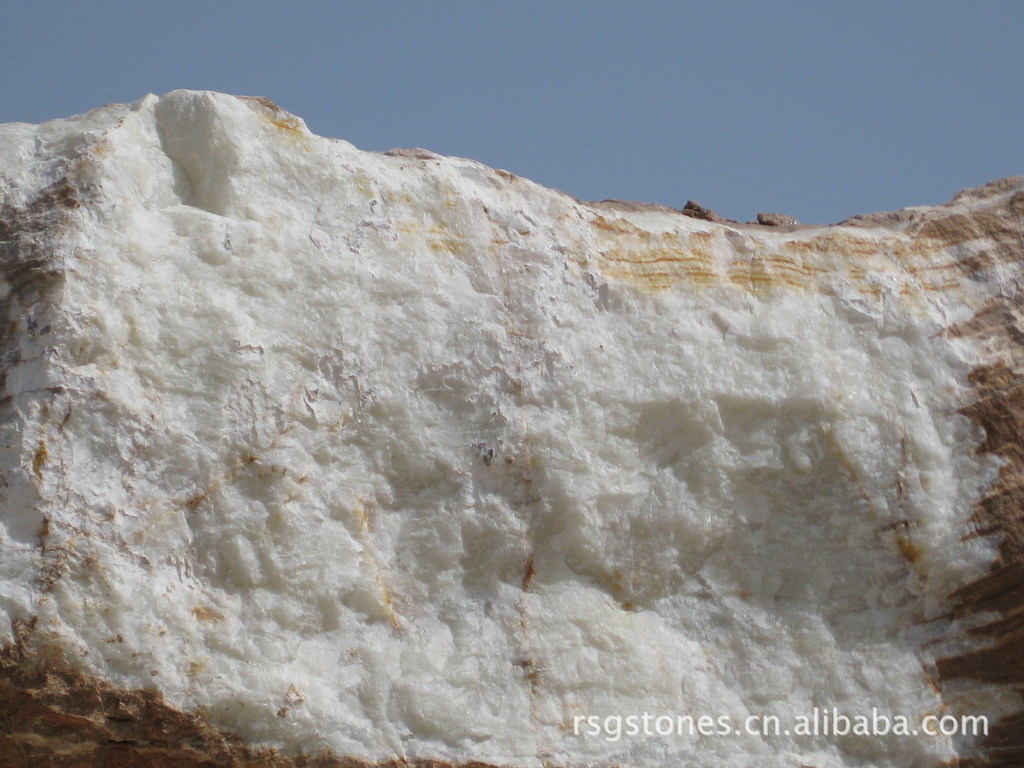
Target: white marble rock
[396, 456]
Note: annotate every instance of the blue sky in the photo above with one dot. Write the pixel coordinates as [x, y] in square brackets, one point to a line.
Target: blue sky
[815, 109]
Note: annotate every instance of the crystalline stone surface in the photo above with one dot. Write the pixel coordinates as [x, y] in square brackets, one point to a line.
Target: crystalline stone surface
[401, 456]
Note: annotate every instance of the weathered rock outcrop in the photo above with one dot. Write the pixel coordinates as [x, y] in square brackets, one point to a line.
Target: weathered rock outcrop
[313, 456]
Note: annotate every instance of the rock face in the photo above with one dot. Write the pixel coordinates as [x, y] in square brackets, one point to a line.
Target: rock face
[317, 456]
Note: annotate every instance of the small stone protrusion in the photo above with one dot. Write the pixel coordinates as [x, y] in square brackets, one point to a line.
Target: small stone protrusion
[698, 211]
[775, 220]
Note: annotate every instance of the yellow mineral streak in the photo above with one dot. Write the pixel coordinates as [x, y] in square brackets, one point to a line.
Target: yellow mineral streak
[385, 594]
[804, 260]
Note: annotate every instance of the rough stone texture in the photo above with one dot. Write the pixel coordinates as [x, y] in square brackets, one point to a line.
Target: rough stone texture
[775, 220]
[316, 457]
[698, 211]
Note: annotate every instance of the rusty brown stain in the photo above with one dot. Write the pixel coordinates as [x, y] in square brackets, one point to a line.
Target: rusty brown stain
[275, 116]
[39, 458]
[617, 226]
[205, 613]
[262, 101]
[910, 551]
[528, 572]
[448, 245]
[193, 503]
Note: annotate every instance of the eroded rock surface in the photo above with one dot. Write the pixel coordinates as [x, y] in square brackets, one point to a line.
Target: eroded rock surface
[313, 456]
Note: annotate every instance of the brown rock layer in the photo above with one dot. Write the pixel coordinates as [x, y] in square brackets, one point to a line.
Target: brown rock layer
[55, 718]
[998, 407]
